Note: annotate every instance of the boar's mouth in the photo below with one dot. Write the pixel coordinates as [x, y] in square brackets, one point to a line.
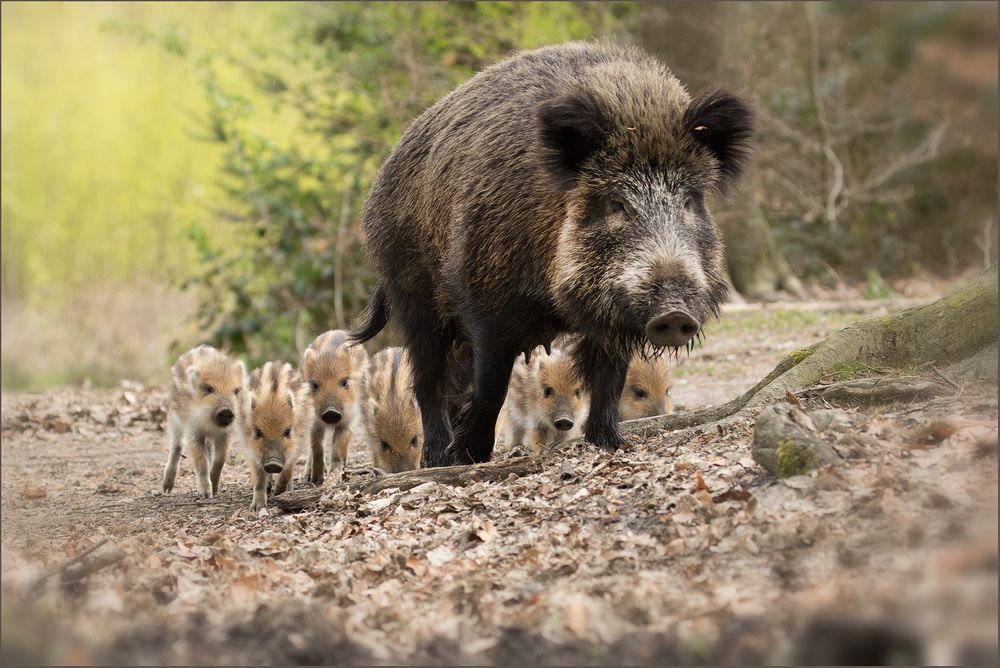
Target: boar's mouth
[647, 324]
[672, 329]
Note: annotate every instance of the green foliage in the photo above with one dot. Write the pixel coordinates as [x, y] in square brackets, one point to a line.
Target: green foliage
[304, 120]
[876, 287]
[98, 183]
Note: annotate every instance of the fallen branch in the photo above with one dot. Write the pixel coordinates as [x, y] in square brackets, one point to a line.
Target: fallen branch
[296, 500]
[88, 562]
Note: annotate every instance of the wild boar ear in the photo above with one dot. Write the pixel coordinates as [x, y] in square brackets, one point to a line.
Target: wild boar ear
[307, 356]
[192, 378]
[243, 370]
[571, 128]
[723, 123]
[359, 355]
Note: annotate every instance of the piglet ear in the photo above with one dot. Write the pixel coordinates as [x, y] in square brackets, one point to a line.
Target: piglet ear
[308, 356]
[723, 123]
[192, 378]
[571, 128]
[359, 355]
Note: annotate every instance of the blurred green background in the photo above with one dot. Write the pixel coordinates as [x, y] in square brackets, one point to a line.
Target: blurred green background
[177, 172]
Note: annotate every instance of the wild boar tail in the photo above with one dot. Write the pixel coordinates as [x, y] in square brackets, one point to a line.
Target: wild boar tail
[376, 316]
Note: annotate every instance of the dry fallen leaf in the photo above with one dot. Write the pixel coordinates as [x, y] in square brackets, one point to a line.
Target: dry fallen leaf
[245, 588]
[792, 399]
[31, 490]
[485, 531]
[700, 484]
[417, 565]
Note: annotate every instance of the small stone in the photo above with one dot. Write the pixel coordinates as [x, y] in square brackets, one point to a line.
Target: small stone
[786, 442]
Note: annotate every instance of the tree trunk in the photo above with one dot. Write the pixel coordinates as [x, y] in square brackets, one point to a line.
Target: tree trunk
[757, 269]
[693, 39]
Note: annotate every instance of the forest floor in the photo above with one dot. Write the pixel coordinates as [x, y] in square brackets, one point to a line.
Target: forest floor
[666, 552]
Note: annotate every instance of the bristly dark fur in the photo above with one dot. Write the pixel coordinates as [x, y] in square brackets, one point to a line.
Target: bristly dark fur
[497, 222]
[727, 122]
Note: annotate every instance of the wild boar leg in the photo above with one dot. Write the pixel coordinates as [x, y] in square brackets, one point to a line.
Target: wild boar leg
[604, 373]
[338, 453]
[476, 425]
[258, 479]
[199, 448]
[219, 460]
[427, 344]
[284, 479]
[176, 444]
[314, 460]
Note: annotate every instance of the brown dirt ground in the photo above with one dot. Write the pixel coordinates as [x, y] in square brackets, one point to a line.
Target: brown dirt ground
[669, 552]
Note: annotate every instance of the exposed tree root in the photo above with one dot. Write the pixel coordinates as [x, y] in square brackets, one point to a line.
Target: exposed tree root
[878, 390]
[949, 329]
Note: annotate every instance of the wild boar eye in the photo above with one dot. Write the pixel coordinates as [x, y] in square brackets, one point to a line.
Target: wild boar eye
[207, 389]
[257, 433]
[639, 393]
[413, 442]
[689, 204]
[385, 446]
[617, 206]
[236, 392]
[344, 383]
[547, 392]
[313, 385]
[578, 392]
[288, 433]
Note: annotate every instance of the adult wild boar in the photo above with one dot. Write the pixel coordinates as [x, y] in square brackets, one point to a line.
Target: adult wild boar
[561, 190]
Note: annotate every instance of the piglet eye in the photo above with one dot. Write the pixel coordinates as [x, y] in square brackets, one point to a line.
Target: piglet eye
[344, 383]
[547, 392]
[313, 385]
[413, 442]
[578, 392]
[385, 446]
[207, 389]
[257, 433]
[288, 433]
[236, 392]
[639, 393]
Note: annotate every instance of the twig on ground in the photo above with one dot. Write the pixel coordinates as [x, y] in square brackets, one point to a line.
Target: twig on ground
[76, 568]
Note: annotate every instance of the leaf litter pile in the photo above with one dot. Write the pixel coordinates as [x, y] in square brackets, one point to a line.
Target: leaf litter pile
[678, 549]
